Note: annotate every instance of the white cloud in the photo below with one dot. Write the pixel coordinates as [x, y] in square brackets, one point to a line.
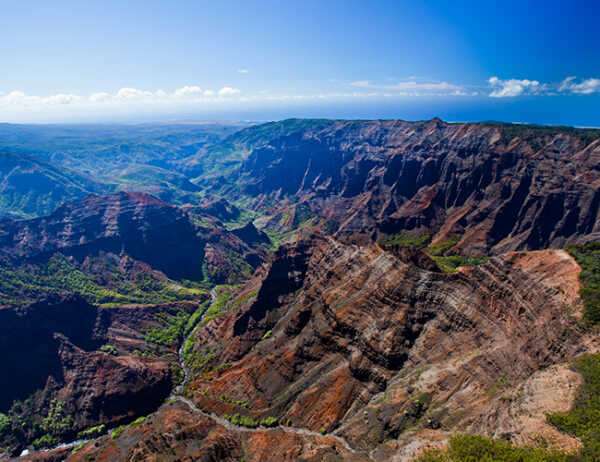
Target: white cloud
[414, 87]
[425, 86]
[514, 87]
[133, 93]
[18, 97]
[187, 94]
[15, 96]
[585, 87]
[566, 83]
[188, 90]
[243, 71]
[229, 91]
[130, 99]
[62, 98]
[100, 97]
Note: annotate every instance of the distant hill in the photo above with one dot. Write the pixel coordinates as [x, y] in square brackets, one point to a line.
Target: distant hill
[30, 187]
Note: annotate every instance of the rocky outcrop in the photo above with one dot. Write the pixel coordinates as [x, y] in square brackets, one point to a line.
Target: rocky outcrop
[130, 228]
[499, 187]
[354, 341]
[139, 225]
[68, 365]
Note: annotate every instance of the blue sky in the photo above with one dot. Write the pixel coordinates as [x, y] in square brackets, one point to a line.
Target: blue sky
[164, 60]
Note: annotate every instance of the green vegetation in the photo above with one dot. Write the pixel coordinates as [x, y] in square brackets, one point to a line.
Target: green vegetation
[502, 383]
[439, 252]
[92, 432]
[195, 318]
[449, 264]
[473, 448]
[198, 361]
[440, 248]
[217, 308]
[406, 239]
[4, 423]
[251, 422]
[267, 334]
[583, 421]
[116, 432]
[172, 331]
[241, 299]
[50, 430]
[177, 374]
[588, 257]
[535, 133]
[264, 133]
[57, 422]
[236, 402]
[269, 422]
[109, 349]
[45, 441]
[108, 286]
[137, 422]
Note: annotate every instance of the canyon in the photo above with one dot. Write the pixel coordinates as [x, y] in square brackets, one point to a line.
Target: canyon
[332, 290]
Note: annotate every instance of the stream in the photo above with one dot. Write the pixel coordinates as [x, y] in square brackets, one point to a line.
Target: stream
[177, 395]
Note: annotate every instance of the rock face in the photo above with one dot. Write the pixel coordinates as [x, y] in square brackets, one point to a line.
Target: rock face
[499, 187]
[131, 227]
[145, 228]
[56, 378]
[352, 340]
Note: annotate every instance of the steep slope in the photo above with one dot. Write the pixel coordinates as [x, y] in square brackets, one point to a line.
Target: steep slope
[352, 343]
[126, 247]
[499, 187]
[68, 366]
[348, 323]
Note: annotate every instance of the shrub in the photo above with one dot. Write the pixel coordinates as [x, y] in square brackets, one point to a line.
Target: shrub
[269, 421]
[588, 257]
[92, 432]
[109, 349]
[57, 423]
[583, 421]
[138, 421]
[450, 264]
[117, 431]
[474, 448]
[4, 423]
[406, 239]
[440, 248]
[172, 331]
[45, 441]
[267, 334]
[242, 420]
